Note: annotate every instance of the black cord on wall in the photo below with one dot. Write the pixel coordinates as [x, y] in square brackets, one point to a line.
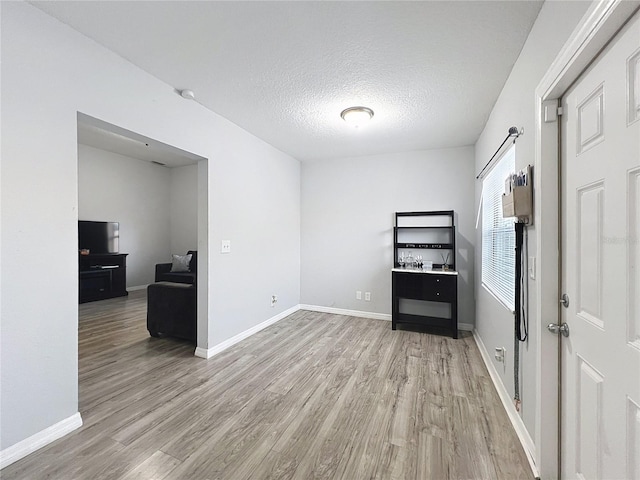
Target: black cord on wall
[521, 328]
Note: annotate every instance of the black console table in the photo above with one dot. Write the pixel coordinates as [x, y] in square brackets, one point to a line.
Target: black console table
[102, 276]
[425, 285]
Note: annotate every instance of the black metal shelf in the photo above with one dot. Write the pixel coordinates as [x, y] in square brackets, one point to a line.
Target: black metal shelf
[436, 287]
[435, 246]
[430, 213]
[435, 227]
[424, 320]
[436, 266]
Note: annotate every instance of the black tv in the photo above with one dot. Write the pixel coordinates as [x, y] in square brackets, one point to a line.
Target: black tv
[98, 237]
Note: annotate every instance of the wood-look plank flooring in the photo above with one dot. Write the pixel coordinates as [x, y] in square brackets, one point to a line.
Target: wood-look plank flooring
[315, 396]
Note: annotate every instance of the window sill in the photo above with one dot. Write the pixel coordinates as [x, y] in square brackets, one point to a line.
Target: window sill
[498, 299]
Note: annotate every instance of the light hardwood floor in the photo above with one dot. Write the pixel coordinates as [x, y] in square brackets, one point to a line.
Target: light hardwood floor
[313, 396]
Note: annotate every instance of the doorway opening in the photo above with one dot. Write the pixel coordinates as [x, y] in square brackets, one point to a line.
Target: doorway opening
[156, 195]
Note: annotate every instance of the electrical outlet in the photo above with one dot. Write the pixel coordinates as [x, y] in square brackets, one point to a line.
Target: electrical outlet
[274, 300]
[367, 296]
[500, 353]
[225, 246]
[358, 295]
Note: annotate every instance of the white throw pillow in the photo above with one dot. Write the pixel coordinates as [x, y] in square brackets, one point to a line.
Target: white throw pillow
[180, 263]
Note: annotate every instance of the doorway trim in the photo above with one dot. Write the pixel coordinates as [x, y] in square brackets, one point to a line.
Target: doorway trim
[600, 23]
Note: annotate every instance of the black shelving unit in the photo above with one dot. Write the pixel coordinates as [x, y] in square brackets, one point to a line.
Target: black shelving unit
[423, 233]
[427, 298]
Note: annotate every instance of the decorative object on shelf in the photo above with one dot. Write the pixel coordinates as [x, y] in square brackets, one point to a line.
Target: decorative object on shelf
[445, 261]
[425, 293]
[410, 260]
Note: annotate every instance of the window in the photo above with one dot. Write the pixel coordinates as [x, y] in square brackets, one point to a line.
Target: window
[498, 234]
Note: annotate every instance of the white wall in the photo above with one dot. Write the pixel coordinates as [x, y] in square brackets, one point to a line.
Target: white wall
[348, 208]
[516, 107]
[136, 194]
[258, 209]
[157, 207]
[65, 73]
[183, 209]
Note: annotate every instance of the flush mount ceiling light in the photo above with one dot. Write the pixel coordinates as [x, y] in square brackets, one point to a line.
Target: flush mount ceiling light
[357, 116]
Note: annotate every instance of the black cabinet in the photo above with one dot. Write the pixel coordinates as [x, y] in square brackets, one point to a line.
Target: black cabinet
[102, 276]
[425, 299]
[437, 287]
[424, 280]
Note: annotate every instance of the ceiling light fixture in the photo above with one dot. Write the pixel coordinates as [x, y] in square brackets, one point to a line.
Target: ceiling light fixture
[357, 116]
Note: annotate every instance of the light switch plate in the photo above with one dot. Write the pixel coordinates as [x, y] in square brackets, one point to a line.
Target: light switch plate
[225, 246]
[532, 268]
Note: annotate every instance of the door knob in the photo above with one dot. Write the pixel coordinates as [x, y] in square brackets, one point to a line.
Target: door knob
[555, 328]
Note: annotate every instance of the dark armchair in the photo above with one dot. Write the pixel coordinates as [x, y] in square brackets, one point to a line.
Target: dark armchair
[164, 273]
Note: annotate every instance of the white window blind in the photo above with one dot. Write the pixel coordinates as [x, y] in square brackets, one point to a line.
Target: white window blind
[498, 234]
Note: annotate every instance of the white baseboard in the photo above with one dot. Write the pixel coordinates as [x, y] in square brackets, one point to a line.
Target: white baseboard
[357, 313]
[210, 352]
[350, 313]
[137, 287]
[507, 402]
[29, 445]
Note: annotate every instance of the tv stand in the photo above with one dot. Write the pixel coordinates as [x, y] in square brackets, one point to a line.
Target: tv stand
[102, 276]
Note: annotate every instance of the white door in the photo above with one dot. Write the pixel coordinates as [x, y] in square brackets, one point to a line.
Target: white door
[600, 190]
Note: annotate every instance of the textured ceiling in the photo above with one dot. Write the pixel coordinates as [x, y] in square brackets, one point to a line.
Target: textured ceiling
[284, 71]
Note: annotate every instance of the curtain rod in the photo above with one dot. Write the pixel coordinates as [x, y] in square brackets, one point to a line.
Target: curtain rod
[513, 133]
